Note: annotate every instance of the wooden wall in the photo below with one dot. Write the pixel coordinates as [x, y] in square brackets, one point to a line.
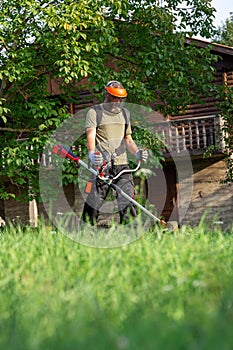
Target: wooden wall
[209, 195]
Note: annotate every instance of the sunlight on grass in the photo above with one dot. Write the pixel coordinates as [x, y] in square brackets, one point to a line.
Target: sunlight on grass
[169, 293]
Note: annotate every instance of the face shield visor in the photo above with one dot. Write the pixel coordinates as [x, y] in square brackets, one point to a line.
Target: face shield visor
[116, 95]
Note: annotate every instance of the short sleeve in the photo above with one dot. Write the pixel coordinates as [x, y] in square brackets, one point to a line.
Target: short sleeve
[91, 119]
[128, 130]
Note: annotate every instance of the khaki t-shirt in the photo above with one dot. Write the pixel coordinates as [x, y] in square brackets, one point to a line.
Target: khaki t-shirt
[110, 133]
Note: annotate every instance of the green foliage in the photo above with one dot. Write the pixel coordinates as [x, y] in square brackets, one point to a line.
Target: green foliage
[145, 138]
[224, 33]
[172, 293]
[226, 106]
[69, 42]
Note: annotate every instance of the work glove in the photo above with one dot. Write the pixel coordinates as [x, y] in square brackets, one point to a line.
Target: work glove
[142, 154]
[96, 158]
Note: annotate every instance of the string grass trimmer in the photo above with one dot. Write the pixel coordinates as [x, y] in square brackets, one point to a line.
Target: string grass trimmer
[65, 152]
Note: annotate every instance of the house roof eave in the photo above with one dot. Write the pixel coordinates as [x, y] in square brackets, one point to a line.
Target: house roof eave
[216, 48]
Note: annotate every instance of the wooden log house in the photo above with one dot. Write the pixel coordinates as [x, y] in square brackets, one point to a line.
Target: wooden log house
[188, 185]
[198, 128]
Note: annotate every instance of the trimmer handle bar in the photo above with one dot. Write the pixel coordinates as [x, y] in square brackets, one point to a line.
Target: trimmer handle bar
[65, 152]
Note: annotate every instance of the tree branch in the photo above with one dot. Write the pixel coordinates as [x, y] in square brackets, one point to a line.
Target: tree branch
[17, 130]
[28, 83]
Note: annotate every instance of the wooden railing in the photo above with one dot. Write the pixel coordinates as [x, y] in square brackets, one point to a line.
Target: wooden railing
[193, 134]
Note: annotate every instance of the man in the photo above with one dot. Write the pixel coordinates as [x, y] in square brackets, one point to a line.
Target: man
[108, 132]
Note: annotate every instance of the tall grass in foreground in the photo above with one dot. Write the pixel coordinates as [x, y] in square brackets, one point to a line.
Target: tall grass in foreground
[170, 293]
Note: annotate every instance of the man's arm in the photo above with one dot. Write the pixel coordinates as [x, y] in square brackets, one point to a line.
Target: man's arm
[95, 157]
[141, 154]
[130, 144]
[91, 133]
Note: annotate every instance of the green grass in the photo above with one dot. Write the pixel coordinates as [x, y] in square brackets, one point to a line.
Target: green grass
[175, 292]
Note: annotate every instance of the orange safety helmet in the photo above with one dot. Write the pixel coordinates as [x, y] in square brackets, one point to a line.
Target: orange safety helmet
[116, 89]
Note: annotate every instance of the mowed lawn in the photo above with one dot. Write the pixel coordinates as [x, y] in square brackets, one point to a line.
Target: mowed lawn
[172, 292]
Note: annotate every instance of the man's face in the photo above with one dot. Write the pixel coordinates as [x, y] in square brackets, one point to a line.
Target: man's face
[114, 103]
